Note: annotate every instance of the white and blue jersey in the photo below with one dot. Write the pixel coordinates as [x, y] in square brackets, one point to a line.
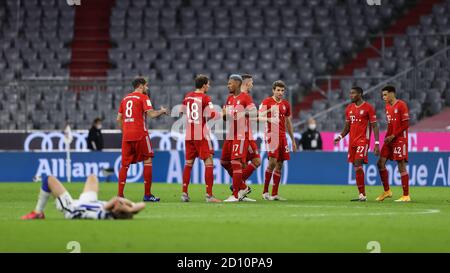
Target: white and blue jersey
[86, 207]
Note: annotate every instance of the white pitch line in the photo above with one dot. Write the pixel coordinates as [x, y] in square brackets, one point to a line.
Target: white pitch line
[280, 204]
[428, 211]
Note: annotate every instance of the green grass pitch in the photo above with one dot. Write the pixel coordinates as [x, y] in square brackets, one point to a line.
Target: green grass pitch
[314, 219]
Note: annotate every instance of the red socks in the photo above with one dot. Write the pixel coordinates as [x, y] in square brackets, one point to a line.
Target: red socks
[276, 182]
[360, 180]
[405, 183]
[237, 176]
[147, 178]
[186, 177]
[268, 177]
[248, 171]
[384, 175]
[209, 179]
[227, 166]
[122, 180]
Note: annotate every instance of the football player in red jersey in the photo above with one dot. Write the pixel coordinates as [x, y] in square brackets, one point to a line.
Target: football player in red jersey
[253, 157]
[358, 115]
[395, 145]
[198, 107]
[277, 112]
[136, 145]
[238, 108]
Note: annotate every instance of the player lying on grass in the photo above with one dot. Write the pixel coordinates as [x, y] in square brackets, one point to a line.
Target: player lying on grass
[86, 207]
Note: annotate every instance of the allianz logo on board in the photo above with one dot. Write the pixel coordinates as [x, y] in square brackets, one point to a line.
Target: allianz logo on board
[81, 169]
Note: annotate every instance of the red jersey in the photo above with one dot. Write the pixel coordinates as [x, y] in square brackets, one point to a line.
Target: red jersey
[279, 112]
[395, 115]
[241, 128]
[133, 108]
[198, 107]
[359, 118]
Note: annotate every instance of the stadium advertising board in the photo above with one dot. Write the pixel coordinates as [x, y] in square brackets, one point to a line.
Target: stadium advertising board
[425, 169]
[165, 141]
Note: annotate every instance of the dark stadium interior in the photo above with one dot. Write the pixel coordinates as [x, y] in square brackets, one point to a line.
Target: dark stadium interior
[46, 45]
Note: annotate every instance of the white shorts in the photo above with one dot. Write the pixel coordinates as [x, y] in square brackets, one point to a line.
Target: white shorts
[86, 207]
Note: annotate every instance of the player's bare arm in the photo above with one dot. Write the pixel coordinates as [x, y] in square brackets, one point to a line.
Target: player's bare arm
[262, 114]
[111, 203]
[265, 112]
[290, 130]
[122, 205]
[224, 113]
[157, 113]
[211, 113]
[403, 127]
[250, 111]
[344, 132]
[227, 112]
[119, 120]
[117, 201]
[376, 132]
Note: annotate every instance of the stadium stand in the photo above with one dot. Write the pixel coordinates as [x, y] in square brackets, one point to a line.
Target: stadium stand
[171, 41]
[425, 87]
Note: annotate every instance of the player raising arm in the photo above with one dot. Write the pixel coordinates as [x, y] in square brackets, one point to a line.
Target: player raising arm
[86, 207]
[136, 145]
[395, 145]
[277, 112]
[358, 115]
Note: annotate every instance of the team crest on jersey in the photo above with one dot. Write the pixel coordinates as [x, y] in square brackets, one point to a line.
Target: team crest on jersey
[284, 108]
[396, 111]
[351, 112]
[238, 102]
[361, 112]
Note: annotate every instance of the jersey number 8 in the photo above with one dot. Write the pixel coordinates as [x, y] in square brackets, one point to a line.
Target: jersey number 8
[129, 109]
[192, 111]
